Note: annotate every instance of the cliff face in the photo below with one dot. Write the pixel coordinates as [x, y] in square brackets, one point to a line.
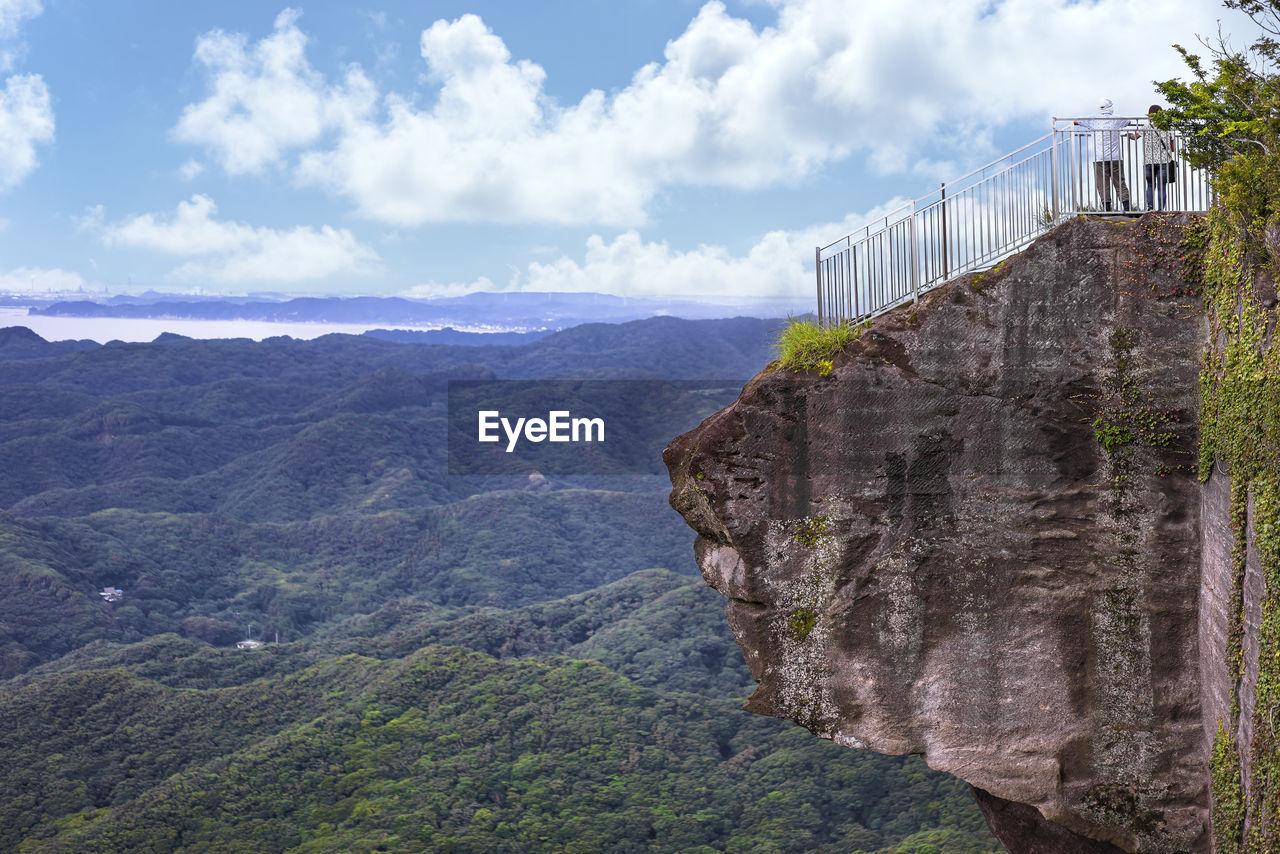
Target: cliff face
[978, 539]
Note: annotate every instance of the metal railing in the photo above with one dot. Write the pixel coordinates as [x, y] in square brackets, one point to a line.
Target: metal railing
[996, 211]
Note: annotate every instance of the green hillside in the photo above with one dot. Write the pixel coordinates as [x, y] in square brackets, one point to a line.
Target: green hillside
[442, 749]
[467, 663]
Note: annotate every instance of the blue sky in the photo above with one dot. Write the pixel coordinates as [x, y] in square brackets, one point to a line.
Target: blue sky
[637, 147]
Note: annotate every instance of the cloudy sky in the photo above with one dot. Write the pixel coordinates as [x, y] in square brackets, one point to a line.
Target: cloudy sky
[433, 147]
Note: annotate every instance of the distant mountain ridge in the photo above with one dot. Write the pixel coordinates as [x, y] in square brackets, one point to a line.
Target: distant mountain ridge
[449, 335]
[667, 347]
[519, 311]
[19, 342]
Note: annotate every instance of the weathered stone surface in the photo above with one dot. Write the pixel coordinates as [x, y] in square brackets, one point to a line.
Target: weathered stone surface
[930, 551]
[1022, 828]
[1216, 607]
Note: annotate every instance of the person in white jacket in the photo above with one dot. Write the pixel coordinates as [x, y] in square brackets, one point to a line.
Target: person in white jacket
[1108, 167]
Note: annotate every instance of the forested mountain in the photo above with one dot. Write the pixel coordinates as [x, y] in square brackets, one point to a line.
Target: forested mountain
[442, 749]
[19, 342]
[467, 664]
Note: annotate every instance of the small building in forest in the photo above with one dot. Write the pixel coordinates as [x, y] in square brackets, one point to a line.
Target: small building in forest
[111, 594]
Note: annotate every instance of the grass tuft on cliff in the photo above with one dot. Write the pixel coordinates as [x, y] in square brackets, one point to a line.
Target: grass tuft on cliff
[804, 345]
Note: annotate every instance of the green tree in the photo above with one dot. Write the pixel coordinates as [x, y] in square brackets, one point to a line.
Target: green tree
[1229, 116]
[1231, 107]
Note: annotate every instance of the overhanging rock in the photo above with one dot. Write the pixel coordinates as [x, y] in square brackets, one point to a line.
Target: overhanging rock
[978, 539]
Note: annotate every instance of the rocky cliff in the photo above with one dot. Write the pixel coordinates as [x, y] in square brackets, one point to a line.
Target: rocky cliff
[979, 538]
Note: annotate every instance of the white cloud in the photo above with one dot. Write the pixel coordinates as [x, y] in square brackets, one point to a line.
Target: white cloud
[229, 252]
[26, 119]
[630, 266]
[26, 114]
[438, 290]
[92, 218]
[267, 99]
[778, 266]
[729, 105]
[14, 12]
[55, 279]
[190, 170]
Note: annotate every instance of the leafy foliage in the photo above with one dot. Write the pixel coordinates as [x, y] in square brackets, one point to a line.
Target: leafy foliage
[658, 628]
[1229, 113]
[1232, 107]
[201, 574]
[440, 750]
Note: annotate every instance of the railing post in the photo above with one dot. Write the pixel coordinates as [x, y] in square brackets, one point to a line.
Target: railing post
[1053, 171]
[915, 271]
[946, 268]
[817, 271]
[1077, 180]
